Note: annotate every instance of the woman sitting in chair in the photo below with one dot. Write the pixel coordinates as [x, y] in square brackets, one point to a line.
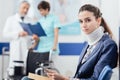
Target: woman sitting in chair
[100, 49]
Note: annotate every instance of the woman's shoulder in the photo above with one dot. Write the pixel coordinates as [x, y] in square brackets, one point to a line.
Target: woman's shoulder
[53, 15]
[107, 40]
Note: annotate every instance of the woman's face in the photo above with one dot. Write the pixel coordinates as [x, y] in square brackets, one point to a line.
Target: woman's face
[43, 12]
[88, 22]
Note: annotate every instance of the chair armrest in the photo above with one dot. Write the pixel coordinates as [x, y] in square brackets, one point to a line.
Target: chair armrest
[106, 73]
[5, 50]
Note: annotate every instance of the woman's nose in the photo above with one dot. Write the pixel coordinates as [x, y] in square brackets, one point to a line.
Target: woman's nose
[83, 24]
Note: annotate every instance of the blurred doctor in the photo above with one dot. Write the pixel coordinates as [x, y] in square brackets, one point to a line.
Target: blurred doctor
[19, 38]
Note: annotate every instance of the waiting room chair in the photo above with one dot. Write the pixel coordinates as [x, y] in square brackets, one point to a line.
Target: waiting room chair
[34, 59]
[106, 73]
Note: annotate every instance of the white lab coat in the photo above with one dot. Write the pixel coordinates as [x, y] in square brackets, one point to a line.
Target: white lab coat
[18, 45]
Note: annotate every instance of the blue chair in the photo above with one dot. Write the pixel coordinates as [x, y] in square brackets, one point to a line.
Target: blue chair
[106, 73]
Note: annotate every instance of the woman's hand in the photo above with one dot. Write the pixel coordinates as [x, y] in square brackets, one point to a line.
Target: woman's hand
[51, 73]
[54, 48]
[54, 75]
[35, 37]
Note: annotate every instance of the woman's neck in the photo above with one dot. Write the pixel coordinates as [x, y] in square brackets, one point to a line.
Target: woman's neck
[46, 14]
[95, 36]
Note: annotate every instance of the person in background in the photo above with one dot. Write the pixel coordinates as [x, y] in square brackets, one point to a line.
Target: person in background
[50, 24]
[100, 49]
[19, 39]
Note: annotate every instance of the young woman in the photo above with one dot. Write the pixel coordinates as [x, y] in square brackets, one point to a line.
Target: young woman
[50, 24]
[100, 50]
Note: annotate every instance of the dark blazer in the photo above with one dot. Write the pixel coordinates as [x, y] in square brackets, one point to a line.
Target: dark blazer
[105, 53]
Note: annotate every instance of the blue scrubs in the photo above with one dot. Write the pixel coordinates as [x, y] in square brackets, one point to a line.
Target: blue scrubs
[48, 23]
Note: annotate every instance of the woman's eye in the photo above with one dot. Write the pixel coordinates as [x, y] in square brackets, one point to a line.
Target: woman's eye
[88, 20]
[80, 21]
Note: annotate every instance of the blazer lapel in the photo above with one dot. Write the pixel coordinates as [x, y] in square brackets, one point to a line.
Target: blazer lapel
[80, 58]
[94, 51]
[83, 53]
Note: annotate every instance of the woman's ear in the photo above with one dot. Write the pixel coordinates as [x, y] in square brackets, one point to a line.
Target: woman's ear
[99, 20]
[47, 10]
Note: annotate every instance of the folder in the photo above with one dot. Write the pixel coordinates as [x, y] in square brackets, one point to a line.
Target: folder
[37, 77]
[33, 29]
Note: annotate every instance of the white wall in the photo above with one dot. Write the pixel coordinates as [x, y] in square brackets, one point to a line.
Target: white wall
[6, 9]
[67, 65]
[110, 10]
[119, 12]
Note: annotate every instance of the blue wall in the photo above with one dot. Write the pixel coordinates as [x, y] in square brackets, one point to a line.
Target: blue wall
[65, 48]
[71, 48]
[4, 44]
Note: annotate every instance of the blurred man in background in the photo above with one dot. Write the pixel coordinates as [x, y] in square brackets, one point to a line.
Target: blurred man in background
[19, 39]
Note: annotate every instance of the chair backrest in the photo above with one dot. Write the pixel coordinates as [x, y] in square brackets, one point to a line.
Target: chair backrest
[106, 73]
[34, 59]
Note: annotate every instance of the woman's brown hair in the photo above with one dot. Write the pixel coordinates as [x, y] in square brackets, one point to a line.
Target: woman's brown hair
[44, 5]
[97, 14]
